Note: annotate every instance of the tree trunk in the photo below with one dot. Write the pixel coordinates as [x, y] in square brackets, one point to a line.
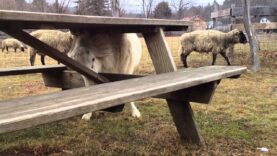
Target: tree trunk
[252, 37]
[115, 8]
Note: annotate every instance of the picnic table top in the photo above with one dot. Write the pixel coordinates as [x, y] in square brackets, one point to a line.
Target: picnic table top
[35, 20]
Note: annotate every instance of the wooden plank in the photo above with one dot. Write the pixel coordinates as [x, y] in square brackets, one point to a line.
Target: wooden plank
[30, 111]
[69, 79]
[160, 52]
[200, 94]
[180, 110]
[31, 20]
[55, 54]
[257, 26]
[221, 13]
[256, 11]
[30, 70]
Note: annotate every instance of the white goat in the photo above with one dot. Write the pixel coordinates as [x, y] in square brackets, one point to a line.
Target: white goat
[110, 53]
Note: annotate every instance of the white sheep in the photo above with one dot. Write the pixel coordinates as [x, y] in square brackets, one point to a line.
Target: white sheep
[110, 53]
[54, 38]
[205, 41]
[12, 43]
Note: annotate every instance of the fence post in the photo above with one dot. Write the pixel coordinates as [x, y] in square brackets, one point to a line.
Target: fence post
[230, 53]
[252, 37]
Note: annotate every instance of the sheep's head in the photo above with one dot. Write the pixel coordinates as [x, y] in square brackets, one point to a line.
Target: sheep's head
[86, 52]
[23, 47]
[239, 37]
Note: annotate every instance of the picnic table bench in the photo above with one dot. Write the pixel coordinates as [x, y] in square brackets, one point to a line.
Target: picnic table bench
[177, 87]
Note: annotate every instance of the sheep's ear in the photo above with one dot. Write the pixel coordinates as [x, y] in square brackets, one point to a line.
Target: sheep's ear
[242, 37]
[75, 32]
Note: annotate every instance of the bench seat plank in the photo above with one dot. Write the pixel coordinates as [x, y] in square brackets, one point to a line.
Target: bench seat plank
[30, 70]
[30, 111]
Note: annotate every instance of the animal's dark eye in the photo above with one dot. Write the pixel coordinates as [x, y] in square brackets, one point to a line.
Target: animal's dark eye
[93, 59]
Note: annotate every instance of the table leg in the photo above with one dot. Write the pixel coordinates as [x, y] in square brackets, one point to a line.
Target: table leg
[180, 110]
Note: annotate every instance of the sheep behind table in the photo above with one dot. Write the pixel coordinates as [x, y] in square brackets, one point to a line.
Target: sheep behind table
[12, 43]
[54, 38]
[205, 41]
[111, 53]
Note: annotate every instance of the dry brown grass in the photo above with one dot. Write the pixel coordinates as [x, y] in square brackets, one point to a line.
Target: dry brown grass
[241, 117]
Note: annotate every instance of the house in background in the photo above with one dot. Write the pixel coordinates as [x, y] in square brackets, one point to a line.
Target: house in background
[199, 23]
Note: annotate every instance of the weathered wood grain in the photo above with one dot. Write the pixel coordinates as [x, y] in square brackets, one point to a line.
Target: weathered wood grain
[200, 94]
[257, 26]
[180, 110]
[30, 111]
[69, 79]
[255, 11]
[31, 20]
[238, 11]
[159, 52]
[30, 70]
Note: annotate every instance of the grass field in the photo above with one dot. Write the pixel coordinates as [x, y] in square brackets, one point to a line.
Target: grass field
[241, 117]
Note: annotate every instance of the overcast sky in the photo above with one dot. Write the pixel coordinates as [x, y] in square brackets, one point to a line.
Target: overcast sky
[135, 6]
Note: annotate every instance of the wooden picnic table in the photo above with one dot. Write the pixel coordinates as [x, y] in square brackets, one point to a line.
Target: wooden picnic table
[178, 88]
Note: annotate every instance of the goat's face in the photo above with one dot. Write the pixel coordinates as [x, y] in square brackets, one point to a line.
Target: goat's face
[83, 52]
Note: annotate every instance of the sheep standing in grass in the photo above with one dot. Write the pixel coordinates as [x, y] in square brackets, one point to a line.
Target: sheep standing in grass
[12, 43]
[205, 41]
[110, 53]
[54, 38]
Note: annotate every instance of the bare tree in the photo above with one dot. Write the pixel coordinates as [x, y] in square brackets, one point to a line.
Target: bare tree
[7, 4]
[93, 7]
[162, 11]
[147, 7]
[61, 6]
[253, 41]
[39, 5]
[21, 5]
[117, 10]
[180, 7]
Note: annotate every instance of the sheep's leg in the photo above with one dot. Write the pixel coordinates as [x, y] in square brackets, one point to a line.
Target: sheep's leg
[42, 59]
[32, 58]
[7, 48]
[214, 58]
[134, 110]
[226, 58]
[184, 59]
[15, 50]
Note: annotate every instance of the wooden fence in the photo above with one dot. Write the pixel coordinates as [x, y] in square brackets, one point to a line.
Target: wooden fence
[234, 16]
